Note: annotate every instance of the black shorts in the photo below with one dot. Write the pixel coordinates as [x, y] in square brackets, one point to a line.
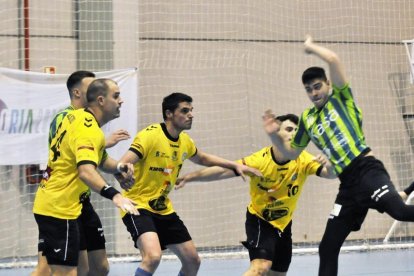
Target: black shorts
[170, 228]
[365, 184]
[264, 241]
[91, 234]
[60, 240]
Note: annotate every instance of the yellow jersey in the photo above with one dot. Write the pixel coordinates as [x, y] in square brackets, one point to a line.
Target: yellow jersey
[274, 195]
[78, 140]
[161, 158]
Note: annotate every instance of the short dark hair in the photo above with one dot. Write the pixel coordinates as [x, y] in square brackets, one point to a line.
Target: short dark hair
[98, 87]
[291, 117]
[172, 101]
[76, 78]
[313, 73]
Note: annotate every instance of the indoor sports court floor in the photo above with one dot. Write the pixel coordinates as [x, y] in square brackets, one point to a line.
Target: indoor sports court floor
[380, 263]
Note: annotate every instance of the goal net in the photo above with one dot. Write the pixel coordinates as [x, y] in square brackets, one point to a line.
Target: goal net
[236, 59]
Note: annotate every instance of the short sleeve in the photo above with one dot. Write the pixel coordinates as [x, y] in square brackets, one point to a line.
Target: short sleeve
[87, 146]
[344, 93]
[252, 160]
[192, 149]
[301, 138]
[142, 143]
[311, 166]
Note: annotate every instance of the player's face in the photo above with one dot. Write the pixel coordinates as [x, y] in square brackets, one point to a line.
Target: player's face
[182, 117]
[287, 131]
[318, 92]
[83, 88]
[113, 102]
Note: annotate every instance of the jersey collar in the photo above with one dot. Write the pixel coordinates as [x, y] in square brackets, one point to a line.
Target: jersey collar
[164, 129]
[274, 159]
[87, 110]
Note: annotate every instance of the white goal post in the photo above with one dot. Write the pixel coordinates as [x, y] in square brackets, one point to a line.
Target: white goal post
[409, 47]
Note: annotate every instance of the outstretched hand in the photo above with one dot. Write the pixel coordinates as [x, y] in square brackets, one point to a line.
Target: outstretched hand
[115, 137]
[244, 170]
[180, 183]
[270, 124]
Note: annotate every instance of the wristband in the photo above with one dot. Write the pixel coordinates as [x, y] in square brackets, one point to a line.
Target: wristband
[118, 167]
[109, 192]
[235, 172]
[409, 189]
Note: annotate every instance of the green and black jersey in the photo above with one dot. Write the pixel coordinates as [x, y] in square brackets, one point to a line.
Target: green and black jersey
[57, 120]
[336, 129]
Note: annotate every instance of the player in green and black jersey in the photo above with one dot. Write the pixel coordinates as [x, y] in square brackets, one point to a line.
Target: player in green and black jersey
[334, 125]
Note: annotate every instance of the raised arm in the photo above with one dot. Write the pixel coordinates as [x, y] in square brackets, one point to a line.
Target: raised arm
[336, 69]
[272, 126]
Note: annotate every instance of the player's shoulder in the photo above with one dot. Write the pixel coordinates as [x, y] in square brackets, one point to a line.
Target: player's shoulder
[342, 93]
[305, 153]
[150, 133]
[266, 151]
[185, 135]
[309, 112]
[346, 86]
[67, 109]
[152, 128]
[82, 113]
[263, 153]
[82, 118]
[305, 156]
[63, 113]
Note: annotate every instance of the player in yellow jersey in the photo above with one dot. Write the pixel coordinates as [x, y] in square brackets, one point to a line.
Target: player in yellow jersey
[273, 197]
[75, 152]
[158, 152]
[92, 255]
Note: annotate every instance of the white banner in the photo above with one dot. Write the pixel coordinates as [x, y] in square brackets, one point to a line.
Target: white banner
[29, 101]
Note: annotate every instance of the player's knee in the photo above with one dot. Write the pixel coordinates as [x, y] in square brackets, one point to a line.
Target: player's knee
[83, 269]
[328, 250]
[41, 270]
[323, 249]
[100, 269]
[152, 259]
[398, 210]
[260, 267]
[105, 268]
[195, 261]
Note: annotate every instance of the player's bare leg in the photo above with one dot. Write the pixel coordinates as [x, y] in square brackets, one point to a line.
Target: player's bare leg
[42, 267]
[83, 267]
[258, 267]
[62, 270]
[149, 246]
[188, 256]
[98, 263]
